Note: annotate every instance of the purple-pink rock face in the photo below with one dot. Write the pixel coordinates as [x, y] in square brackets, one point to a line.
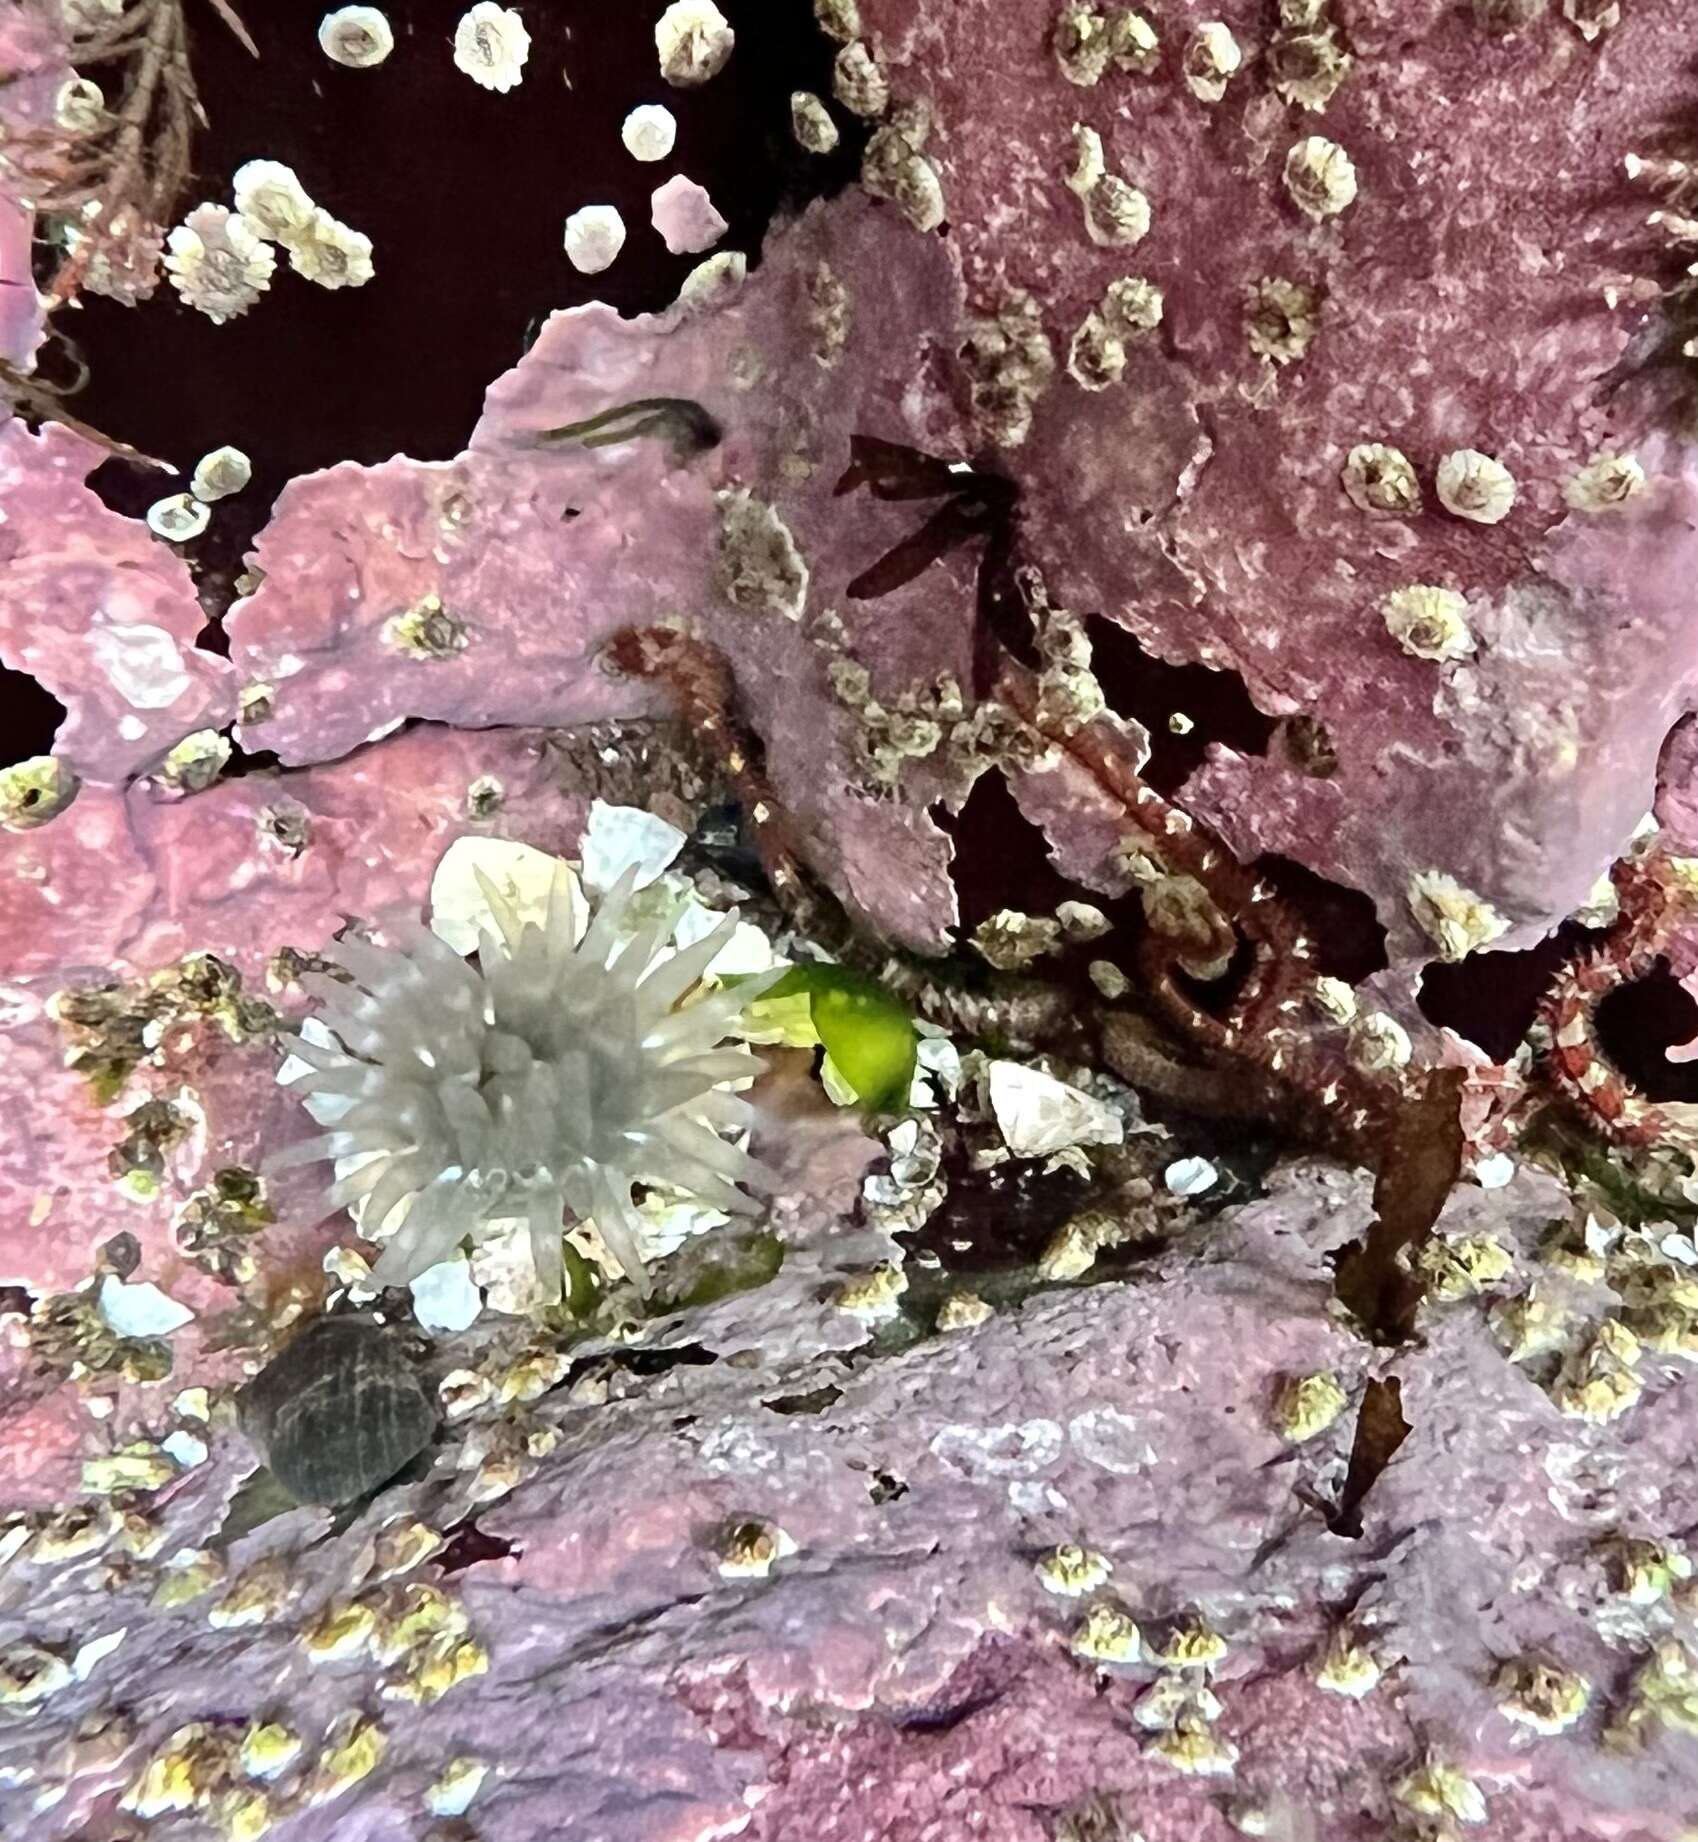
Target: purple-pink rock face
[1310, 351]
[101, 612]
[481, 591]
[1077, 1553]
[1188, 481]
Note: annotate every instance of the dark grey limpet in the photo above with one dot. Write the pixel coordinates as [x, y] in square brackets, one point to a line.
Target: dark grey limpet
[339, 1411]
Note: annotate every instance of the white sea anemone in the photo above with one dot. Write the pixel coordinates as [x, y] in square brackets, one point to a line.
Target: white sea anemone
[544, 1074]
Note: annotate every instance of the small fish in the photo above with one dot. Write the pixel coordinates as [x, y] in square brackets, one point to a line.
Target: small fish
[338, 1412]
[684, 425]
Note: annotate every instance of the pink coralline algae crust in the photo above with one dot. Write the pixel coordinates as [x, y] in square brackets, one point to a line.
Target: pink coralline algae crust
[1198, 501]
[904, 1672]
[684, 215]
[122, 885]
[517, 561]
[32, 60]
[101, 612]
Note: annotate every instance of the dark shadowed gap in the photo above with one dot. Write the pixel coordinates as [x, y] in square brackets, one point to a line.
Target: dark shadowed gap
[1001, 858]
[1345, 933]
[467, 1545]
[1139, 685]
[1638, 1023]
[1491, 999]
[30, 716]
[997, 1217]
[464, 194]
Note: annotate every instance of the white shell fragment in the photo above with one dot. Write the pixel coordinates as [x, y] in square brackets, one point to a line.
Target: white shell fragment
[595, 234]
[491, 45]
[356, 37]
[178, 519]
[694, 40]
[220, 473]
[445, 1298]
[617, 837]
[140, 1310]
[519, 872]
[1038, 1114]
[1190, 1176]
[649, 132]
[685, 216]
[1474, 486]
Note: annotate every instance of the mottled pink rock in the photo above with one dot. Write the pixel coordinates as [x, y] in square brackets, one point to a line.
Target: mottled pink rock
[904, 1672]
[1198, 501]
[32, 60]
[536, 552]
[102, 612]
[685, 216]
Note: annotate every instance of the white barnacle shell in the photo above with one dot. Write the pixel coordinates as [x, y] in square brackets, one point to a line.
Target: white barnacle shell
[1474, 486]
[858, 83]
[218, 262]
[1428, 622]
[649, 131]
[356, 37]
[330, 254]
[80, 105]
[224, 471]
[1378, 478]
[178, 518]
[1605, 483]
[811, 123]
[694, 40]
[1454, 918]
[271, 197]
[1320, 177]
[491, 45]
[1117, 214]
[1211, 57]
[1379, 1043]
[595, 234]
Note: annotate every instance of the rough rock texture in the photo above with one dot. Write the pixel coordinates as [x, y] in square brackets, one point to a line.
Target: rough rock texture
[1461, 305]
[905, 1657]
[536, 551]
[103, 613]
[760, 1566]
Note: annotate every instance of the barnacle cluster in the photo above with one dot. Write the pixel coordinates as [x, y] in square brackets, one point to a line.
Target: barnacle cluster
[548, 1072]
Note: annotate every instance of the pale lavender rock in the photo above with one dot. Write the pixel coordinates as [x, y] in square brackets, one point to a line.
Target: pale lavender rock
[122, 885]
[905, 1667]
[1198, 502]
[684, 215]
[32, 59]
[536, 553]
[101, 612]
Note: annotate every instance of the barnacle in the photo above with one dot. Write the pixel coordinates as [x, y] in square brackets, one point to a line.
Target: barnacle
[218, 263]
[1320, 176]
[547, 1072]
